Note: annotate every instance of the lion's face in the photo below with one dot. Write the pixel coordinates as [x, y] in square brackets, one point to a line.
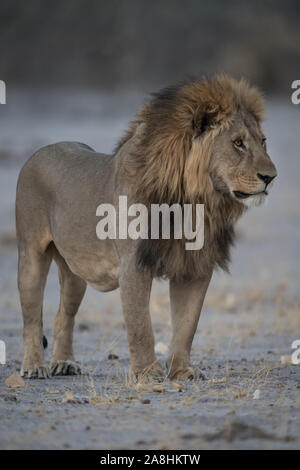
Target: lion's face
[241, 164]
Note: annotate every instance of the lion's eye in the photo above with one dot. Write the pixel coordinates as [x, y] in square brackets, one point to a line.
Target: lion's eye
[238, 142]
[263, 141]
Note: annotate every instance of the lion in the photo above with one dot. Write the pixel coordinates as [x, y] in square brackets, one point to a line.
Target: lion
[198, 142]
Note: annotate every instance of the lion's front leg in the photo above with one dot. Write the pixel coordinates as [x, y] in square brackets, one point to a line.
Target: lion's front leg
[186, 303]
[135, 287]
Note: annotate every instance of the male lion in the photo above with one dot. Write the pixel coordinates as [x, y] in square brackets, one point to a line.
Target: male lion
[200, 142]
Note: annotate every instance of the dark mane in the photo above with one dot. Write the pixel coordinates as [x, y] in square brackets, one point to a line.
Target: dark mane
[168, 164]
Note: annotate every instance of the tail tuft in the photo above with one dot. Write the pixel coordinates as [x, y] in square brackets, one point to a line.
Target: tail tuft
[45, 342]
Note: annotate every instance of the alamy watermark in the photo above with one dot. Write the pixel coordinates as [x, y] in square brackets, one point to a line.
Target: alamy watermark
[295, 96]
[2, 353]
[163, 221]
[295, 357]
[2, 92]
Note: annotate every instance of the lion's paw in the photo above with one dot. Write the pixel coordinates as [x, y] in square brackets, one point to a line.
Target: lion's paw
[188, 373]
[151, 374]
[35, 372]
[65, 368]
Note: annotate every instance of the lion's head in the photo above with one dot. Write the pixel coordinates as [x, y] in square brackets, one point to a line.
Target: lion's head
[199, 142]
[203, 138]
[238, 165]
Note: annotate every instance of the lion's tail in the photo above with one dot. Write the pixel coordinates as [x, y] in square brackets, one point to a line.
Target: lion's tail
[45, 342]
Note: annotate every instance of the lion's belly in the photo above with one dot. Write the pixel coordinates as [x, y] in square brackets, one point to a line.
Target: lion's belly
[98, 267]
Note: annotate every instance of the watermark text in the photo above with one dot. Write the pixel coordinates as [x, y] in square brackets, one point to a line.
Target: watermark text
[2, 92]
[2, 353]
[295, 96]
[160, 222]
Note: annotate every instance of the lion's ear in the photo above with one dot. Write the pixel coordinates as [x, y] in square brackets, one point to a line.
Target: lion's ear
[206, 116]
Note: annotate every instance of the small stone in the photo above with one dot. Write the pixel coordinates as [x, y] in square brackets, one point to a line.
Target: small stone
[220, 381]
[69, 398]
[10, 398]
[140, 386]
[14, 381]
[286, 360]
[145, 401]
[178, 387]
[161, 348]
[112, 357]
[158, 389]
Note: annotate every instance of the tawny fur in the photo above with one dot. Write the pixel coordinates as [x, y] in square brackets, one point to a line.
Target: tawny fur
[172, 162]
[182, 148]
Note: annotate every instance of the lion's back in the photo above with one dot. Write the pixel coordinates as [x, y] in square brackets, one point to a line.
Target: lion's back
[63, 172]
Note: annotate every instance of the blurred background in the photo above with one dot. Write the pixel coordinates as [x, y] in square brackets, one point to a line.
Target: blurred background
[136, 44]
[69, 64]
[80, 69]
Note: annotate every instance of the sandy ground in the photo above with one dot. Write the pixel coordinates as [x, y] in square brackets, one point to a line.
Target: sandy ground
[250, 400]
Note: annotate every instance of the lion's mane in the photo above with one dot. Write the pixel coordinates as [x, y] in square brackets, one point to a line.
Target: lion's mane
[172, 163]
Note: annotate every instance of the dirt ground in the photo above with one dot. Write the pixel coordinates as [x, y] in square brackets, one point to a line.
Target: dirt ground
[250, 400]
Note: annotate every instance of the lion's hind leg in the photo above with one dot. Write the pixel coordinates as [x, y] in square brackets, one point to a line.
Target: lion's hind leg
[32, 274]
[72, 290]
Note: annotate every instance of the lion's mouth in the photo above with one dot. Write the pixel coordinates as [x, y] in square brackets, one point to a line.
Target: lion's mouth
[241, 195]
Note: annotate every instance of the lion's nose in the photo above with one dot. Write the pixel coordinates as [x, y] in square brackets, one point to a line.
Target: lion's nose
[266, 178]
